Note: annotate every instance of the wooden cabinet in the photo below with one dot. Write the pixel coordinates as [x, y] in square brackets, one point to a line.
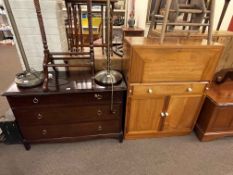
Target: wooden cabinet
[216, 117]
[166, 85]
[76, 110]
[161, 115]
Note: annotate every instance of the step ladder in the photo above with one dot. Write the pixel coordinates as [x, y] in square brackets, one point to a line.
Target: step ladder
[196, 14]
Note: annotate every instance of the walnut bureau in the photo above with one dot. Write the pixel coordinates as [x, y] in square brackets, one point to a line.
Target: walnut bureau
[74, 109]
[166, 84]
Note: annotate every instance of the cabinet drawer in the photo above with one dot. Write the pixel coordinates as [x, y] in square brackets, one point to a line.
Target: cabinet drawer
[77, 99]
[167, 89]
[66, 114]
[73, 130]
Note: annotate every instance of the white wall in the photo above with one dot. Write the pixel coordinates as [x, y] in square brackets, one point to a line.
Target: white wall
[25, 16]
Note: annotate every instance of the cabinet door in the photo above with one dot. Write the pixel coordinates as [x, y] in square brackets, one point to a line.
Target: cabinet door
[182, 113]
[223, 120]
[143, 115]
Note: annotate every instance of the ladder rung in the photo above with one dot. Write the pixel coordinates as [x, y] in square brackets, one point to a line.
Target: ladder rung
[186, 6]
[186, 24]
[69, 53]
[71, 58]
[189, 11]
[69, 65]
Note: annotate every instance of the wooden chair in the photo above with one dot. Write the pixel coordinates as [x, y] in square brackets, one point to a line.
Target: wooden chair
[51, 57]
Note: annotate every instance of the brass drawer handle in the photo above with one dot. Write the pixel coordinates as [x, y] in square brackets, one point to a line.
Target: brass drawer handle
[99, 113]
[100, 128]
[98, 96]
[114, 112]
[35, 100]
[44, 132]
[150, 91]
[189, 90]
[39, 116]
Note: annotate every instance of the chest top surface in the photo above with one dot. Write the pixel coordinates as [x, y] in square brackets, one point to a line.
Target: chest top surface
[222, 94]
[76, 82]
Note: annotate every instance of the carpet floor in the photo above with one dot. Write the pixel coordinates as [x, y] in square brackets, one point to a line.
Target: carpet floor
[160, 156]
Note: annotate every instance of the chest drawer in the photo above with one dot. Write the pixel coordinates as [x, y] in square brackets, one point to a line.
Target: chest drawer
[66, 114]
[72, 99]
[156, 89]
[73, 130]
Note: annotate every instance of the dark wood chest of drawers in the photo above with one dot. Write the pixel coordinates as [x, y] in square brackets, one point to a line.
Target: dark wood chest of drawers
[78, 109]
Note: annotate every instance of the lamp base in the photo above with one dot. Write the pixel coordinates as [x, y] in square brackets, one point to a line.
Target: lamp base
[106, 78]
[29, 79]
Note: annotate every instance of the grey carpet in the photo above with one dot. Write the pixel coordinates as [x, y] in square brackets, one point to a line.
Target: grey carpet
[161, 156]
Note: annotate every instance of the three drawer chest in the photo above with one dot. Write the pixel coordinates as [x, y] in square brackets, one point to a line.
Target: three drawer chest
[74, 108]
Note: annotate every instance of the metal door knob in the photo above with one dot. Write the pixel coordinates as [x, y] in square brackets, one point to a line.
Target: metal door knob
[162, 114]
[189, 90]
[44, 132]
[150, 91]
[39, 116]
[35, 100]
[166, 114]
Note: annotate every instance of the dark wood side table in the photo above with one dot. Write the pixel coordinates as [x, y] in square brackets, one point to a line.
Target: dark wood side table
[216, 117]
[75, 108]
[134, 32]
[128, 32]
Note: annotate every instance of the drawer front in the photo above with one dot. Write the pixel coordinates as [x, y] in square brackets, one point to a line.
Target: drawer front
[77, 99]
[67, 114]
[167, 89]
[74, 130]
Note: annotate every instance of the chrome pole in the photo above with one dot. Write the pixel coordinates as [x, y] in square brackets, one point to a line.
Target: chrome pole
[108, 77]
[30, 77]
[17, 36]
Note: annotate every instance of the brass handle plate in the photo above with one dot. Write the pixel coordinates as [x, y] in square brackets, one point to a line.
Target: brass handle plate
[98, 96]
[100, 128]
[99, 113]
[44, 132]
[35, 100]
[39, 116]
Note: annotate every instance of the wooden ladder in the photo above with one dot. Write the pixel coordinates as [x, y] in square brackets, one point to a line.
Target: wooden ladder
[173, 8]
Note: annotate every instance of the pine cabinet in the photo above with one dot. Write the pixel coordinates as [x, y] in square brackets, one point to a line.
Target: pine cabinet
[153, 114]
[166, 84]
